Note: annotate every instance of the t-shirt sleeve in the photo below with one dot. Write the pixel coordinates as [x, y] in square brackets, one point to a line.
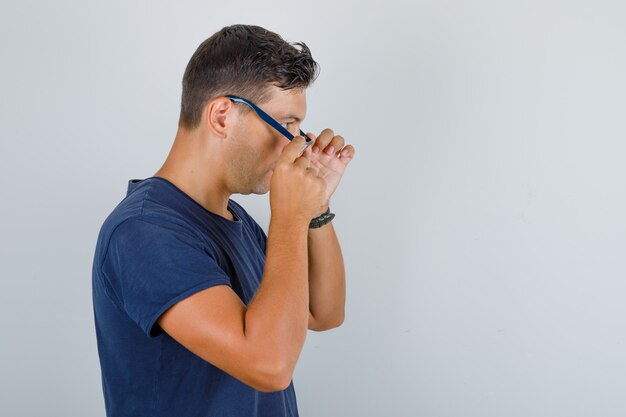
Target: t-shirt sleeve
[151, 264]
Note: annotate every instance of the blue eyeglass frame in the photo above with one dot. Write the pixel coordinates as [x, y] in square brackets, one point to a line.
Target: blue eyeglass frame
[266, 117]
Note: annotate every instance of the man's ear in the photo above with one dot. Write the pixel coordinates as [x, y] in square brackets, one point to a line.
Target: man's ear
[219, 114]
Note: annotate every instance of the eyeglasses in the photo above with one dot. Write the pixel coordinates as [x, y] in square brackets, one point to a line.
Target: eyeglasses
[266, 117]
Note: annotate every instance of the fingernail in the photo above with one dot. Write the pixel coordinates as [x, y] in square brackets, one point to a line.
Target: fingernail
[330, 150]
[316, 149]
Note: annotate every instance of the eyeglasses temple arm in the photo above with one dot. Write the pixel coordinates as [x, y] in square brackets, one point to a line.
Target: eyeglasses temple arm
[266, 117]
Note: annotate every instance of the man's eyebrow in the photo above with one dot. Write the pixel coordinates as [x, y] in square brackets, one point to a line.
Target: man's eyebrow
[291, 116]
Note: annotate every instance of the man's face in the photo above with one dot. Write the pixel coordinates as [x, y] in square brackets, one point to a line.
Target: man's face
[256, 146]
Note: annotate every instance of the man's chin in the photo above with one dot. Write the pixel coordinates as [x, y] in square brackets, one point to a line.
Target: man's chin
[263, 186]
[260, 191]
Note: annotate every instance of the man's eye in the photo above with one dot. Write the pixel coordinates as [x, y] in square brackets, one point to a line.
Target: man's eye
[286, 125]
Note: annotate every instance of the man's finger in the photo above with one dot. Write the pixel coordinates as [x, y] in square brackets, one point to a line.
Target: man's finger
[324, 138]
[292, 151]
[335, 145]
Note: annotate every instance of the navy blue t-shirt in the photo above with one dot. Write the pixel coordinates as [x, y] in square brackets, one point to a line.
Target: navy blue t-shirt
[157, 247]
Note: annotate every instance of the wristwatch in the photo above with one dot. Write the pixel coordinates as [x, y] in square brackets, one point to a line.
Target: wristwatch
[322, 219]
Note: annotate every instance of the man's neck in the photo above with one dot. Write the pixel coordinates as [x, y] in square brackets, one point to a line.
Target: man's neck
[192, 168]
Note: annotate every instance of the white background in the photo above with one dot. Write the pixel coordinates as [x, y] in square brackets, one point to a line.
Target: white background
[482, 220]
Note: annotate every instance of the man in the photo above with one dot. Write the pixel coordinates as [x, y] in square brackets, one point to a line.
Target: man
[197, 311]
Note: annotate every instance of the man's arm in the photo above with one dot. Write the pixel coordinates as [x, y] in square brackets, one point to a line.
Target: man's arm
[327, 284]
[260, 345]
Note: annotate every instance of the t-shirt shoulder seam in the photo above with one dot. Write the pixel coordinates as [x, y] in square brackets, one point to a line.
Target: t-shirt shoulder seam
[100, 272]
[108, 242]
[144, 197]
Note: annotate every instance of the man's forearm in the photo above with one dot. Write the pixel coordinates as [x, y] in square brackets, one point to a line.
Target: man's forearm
[327, 285]
[278, 314]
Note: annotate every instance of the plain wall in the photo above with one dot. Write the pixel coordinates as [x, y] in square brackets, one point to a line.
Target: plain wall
[482, 220]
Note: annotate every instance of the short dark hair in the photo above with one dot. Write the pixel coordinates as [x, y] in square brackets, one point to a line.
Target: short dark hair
[242, 60]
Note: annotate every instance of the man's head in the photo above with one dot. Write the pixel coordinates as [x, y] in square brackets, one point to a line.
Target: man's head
[244, 61]
[258, 65]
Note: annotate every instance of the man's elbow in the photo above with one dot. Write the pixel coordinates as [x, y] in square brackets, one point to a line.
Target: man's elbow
[329, 324]
[338, 322]
[278, 377]
[273, 385]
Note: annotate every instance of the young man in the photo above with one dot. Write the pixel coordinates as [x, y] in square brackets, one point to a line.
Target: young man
[197, 311]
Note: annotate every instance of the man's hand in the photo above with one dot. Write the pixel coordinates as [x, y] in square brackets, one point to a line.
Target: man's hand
[296, 192]
[330, 157]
